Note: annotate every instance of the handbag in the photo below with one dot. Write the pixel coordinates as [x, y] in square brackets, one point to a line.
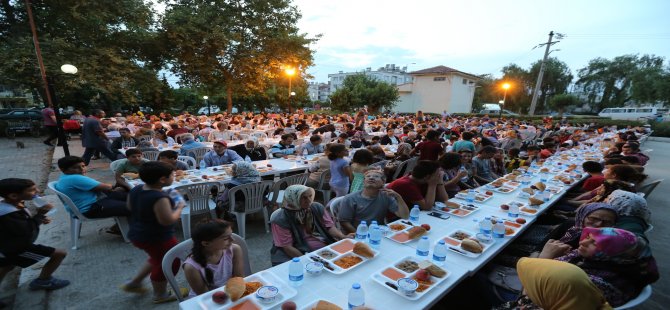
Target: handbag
[505, 278]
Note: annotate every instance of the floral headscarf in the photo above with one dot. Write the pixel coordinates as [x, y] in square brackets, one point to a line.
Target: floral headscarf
[245, 173]
[629, 204]
[292, 196]
[612, 243]
[403, 149]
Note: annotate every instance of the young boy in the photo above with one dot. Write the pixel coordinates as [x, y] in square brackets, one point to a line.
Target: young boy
[152, 219]
[596, 177]
[170, 157]
[19, 229]
[131, 164]
[513, 160]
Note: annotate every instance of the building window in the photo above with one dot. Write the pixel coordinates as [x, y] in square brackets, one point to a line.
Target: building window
[439, 78]
[465, 81]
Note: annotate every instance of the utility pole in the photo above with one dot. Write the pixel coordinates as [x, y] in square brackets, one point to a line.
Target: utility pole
[536, 91]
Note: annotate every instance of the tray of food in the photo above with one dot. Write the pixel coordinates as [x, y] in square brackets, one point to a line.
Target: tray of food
[512, 225]
[479, 196]
[455, 208]
[403, 231]
[411, 278]
[263, 290]
[524, 209]
[466, 243]
[343, 256]
[563, 179]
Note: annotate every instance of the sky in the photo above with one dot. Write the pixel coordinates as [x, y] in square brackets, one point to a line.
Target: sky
[478, 37]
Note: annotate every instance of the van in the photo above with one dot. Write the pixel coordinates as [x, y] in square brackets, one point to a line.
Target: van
[633, 113]
[494, 109]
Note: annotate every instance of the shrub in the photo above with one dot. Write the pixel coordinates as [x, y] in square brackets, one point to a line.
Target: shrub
[661, 129]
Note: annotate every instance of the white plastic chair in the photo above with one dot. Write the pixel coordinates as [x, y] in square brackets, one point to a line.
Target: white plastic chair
[277, 194]
[188, 160]
[115, 164]
[324, 187]
[649, 229]
[182, 250]
[254, 201]
[198, 153]
[198, 203]
[150, 155]
[259, 135]
[641, 298]
[404, 168]
[76, 218]
[647, 188]
[334, 208]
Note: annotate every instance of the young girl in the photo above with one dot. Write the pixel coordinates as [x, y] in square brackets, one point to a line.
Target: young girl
[340, 172]
[359, 164]
[152, 219]
[214, 259]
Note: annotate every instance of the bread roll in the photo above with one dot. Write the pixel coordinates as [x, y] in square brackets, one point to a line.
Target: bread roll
[235, 288]
[362, 249]
[541, 186]
[535, 202]
[416, 232]
[131, 175]
[453, 205]
[324, 305]
[472, 246]
[528, 190]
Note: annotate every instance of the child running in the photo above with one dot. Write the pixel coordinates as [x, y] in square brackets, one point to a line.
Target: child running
[19, 229]
[214, 259]
[152, 219]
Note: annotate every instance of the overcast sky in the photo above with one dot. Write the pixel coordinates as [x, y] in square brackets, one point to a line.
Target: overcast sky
[478, 37]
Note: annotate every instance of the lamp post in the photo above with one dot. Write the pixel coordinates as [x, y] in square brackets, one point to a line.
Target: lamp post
[62, 140]
[209, 108]
[505, 86]
[290, 72]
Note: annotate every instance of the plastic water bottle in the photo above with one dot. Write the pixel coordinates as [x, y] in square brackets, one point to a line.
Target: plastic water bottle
[175, 196]
[470, 198]
[465, 178]
[439, 253]
[543, 177]
[160, 146]
[423, 248]
[304, 153]
[375, 237]
[247, 159]
[485, 225]
[513, 211]
[544, 195]
[295, 272]
[356, 296]
[499, 230]
[39, 201]
[414, 214]
[362, 231]
[372, 225]
[203, 166]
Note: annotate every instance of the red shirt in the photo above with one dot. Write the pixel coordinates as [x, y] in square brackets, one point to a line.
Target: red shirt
[430, 150]
[410, 190]
[593, 182]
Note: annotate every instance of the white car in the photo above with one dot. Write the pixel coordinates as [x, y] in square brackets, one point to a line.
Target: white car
[215, 109]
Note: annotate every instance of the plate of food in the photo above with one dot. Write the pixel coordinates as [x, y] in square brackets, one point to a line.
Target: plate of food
[512, 226]
[479, 196]
[324, 304]
[343, 256]
[403, 231]
[465, 243]
[423, 274]
[523, 208]
[242, 293]
[456, 208]
[563, 179]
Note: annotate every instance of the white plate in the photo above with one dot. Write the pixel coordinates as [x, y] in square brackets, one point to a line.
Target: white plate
[454, 245]
[393, 233]
[522, 205]
[462, 211]
[479, 197]
[285, 293]
[337, 269]
[313, 304]
[380, 278]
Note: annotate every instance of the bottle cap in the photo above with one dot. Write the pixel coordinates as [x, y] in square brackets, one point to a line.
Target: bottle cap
[296, 259]
[356, 286]
[441, 242]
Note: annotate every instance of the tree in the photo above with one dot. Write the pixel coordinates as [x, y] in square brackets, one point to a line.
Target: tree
[561, 101]
[109, 41]
[624, 79]
[557, 78]
[359, 90]
[234, 46]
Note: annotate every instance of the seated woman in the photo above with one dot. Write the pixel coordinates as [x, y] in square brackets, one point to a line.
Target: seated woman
[550, 284]
[300, 225]
[243, 173]
[214, 258]
[595, 215]
[618, 262]
[632, 212]
[624, 173]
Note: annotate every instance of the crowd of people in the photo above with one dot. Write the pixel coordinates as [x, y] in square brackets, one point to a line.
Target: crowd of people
[602, 256]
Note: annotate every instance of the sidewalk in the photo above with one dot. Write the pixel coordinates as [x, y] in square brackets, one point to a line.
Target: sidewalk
[104, 261]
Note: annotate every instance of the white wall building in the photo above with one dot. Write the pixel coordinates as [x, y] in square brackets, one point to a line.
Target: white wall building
[318, 91]
[389, 73]
[437, 89]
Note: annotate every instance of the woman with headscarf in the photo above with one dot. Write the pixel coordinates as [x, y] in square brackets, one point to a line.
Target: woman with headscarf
[617, 261]
[550, 284]
[300, 225]
[402, 154]
[250, 148]
[243, 173]
[632, 212]
[511, 141]
[596, 215]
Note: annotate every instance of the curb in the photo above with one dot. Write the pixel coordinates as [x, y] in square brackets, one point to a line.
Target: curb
[658, 139]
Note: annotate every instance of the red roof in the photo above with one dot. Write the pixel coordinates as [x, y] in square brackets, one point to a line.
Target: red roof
[444, 70]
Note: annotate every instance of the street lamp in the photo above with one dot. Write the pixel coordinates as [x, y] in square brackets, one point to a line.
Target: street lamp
[505, 86]
[290, 72]
[62, 140]
[209, 108]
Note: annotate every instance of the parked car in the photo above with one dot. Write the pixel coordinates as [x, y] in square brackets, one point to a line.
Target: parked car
[22, 114]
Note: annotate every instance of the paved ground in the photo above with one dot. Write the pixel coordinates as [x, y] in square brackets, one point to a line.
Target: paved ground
[104, 261]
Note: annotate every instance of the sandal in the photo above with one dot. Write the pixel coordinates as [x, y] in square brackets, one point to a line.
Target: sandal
[169, 296]
[139, 289]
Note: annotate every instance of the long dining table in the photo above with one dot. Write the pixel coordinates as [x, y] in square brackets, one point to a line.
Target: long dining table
[334, 287]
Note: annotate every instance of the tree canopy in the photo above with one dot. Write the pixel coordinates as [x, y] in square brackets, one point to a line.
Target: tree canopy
[360, 90]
